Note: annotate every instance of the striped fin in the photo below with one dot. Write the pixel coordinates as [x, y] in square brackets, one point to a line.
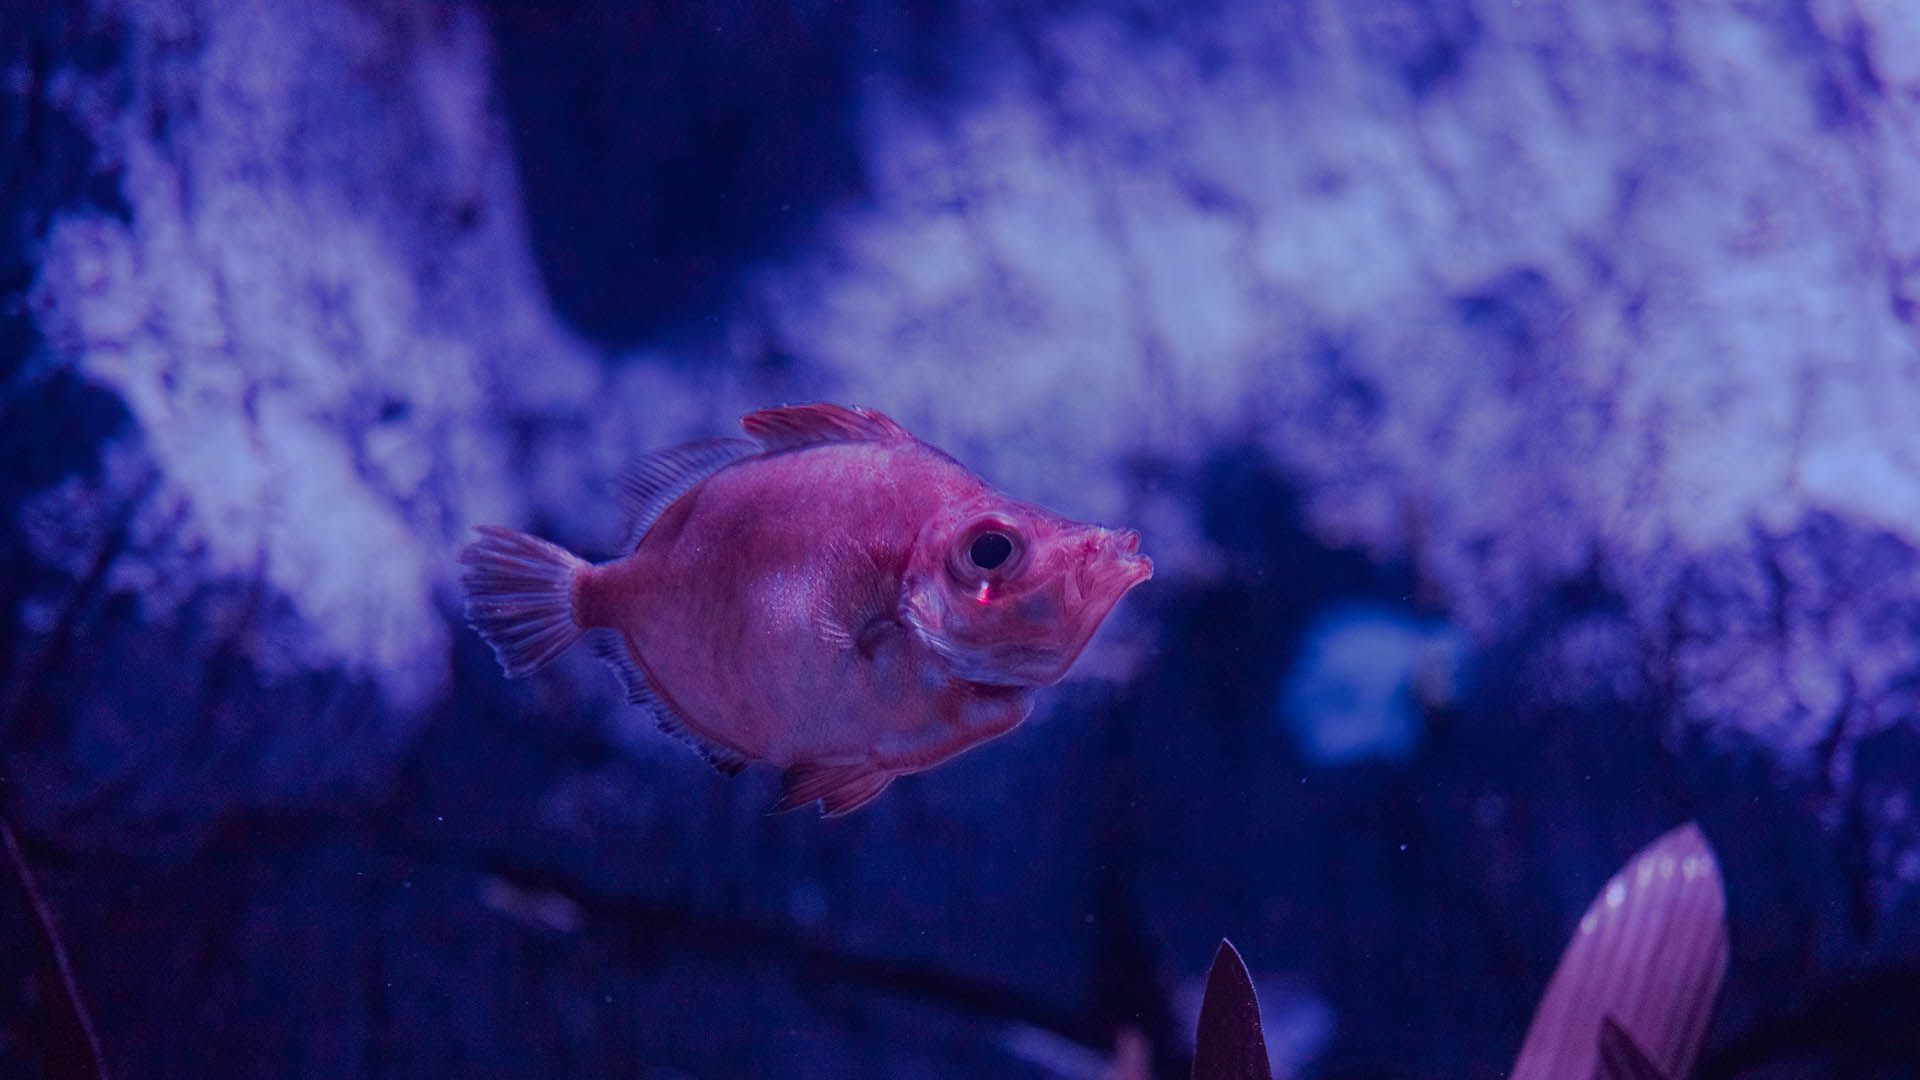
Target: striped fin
[612, 650]
[655, 482]
[839, 789]
[792, 426]
[1621, 1058]
[1649, 956]
[520, 597]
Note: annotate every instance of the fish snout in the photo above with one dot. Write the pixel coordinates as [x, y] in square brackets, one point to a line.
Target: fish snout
[1123, 546]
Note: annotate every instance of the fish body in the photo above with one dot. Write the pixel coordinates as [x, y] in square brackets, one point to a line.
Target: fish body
[830, 596]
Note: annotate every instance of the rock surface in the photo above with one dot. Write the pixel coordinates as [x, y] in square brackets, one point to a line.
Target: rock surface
[1587, 328]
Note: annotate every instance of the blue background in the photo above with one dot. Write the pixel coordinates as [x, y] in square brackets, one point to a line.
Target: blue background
[1516, 397]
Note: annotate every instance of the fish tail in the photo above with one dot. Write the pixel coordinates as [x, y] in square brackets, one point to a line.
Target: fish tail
[520, 597]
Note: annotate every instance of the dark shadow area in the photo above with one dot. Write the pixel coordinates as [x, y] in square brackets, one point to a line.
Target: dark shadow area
[662, 148]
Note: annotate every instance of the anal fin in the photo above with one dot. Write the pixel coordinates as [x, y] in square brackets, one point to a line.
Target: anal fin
[612, 650]
[839, 789]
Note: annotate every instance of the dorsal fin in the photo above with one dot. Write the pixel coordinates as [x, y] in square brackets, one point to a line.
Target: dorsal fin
[792, 426]
[653, 483]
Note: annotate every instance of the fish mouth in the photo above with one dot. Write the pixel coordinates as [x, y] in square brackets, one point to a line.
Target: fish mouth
[1113, 570]
[1131, 567]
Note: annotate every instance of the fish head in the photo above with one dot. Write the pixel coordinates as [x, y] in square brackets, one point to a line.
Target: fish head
[1007, 593]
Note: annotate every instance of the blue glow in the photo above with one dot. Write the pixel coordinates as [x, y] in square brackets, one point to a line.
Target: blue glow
[1363, 677]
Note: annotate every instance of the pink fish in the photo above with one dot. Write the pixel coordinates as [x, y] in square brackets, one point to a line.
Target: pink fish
[832, 596]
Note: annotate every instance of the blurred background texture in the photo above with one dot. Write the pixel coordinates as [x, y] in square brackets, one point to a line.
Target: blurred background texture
[1520, 399]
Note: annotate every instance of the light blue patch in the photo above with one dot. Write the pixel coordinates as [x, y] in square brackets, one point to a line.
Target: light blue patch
[1363, 680]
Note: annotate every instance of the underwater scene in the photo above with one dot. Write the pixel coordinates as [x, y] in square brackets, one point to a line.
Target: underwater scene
[1249, 539]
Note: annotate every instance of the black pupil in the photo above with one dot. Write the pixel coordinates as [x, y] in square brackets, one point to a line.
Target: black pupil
[989, 550]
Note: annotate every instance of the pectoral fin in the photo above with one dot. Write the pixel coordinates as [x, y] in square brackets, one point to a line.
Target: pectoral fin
[858, 610]
[839, 789]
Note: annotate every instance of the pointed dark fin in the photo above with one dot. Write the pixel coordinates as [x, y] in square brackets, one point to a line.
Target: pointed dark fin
[1621, 1058]
[655, 482]
[612, 650]
[792, 426]
[1229, 1044]
[520, 597]
[839, 789]
[1650, 954]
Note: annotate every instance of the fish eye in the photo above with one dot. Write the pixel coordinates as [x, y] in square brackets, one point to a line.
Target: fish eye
[990, 550]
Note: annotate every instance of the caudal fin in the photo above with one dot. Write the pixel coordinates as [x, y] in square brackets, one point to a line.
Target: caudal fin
[520, 597]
